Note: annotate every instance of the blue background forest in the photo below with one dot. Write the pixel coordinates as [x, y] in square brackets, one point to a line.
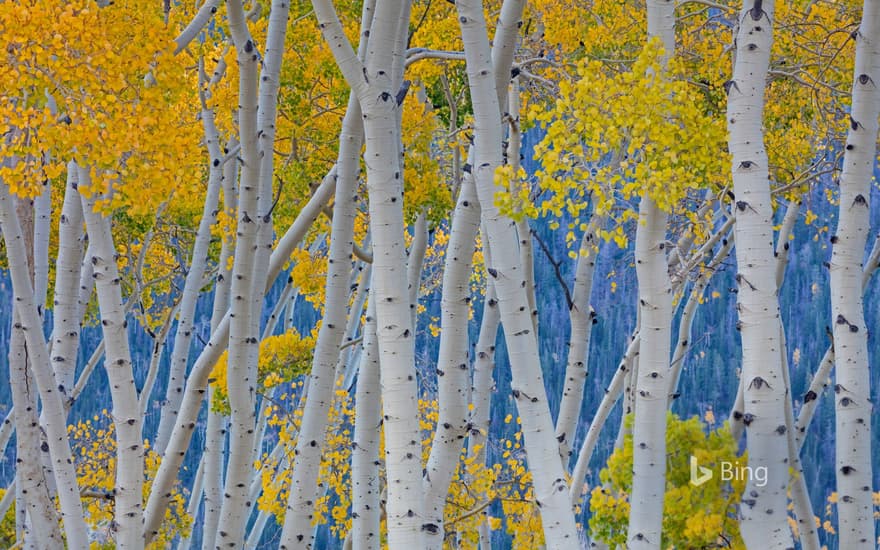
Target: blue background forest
[708, 380]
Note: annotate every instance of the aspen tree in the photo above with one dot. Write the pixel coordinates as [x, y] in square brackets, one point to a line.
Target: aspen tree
[197, 381]
[541, 446]
[763, 505]
[655, 312]
[854, 467]
[310, 440]
[56, 425]
[366, 486]
[128, 491]
[581, 317]
[375, 83]
[193, 283]
[66, 310]
[257, 113]
[452, 361]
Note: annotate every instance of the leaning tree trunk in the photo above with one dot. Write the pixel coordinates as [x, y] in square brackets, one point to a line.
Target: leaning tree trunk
[197, 381]
[541, 446]
[581, 318]
[453, 372]
[192, 285]
[763, 506]
[128, 491]
[53, 409]
[42, 527]
[304, 490]
[853, 378]
[215, 432]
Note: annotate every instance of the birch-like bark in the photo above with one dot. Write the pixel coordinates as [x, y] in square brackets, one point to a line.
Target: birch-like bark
[215, 432]
[783, 245]
[128, 491]
[244, 320]
[66, 311]
[852, 389]
[197, 381]
[86, 281]
[581, 318]
[202, 17]
[42, 229]
[192, 285]
[452, 363]
[373, 83]
[800, 496]
[217, 422]
[763, 507]
[42, 529]
[36, 519]
[652, 382]
[482, 383]
[821, 378]
[298, 531]
[655, 313]
[484, 365]
[415, 261]
[541, 446]
[155, 358]
[366, 486]
[53, 410]
[514, 146]
[612, 394]
[350, 358]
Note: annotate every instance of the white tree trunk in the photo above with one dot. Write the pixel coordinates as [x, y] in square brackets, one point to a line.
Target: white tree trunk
[763, 508]
[43, 527]
[482, 385]
[453, 373]
[612, 394]
[366, 486]
[42, 229]
[800, 496]
[374, 83]
[506, 272]
[415, 262]
[655, 313]
[192, 285]
[86, 284]
[56, 423]
[581, 319]
[128, 491]
[852, 376]
[298, 531]
[66, 311]
[484, 365]
[197, 381]
[215, 432]
[244, 320]
[649, 428]
[684, 340]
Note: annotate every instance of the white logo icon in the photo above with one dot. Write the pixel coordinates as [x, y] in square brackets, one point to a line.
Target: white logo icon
[699, 474]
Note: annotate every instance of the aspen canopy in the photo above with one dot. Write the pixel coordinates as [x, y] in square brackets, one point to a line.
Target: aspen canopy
[415, 274]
